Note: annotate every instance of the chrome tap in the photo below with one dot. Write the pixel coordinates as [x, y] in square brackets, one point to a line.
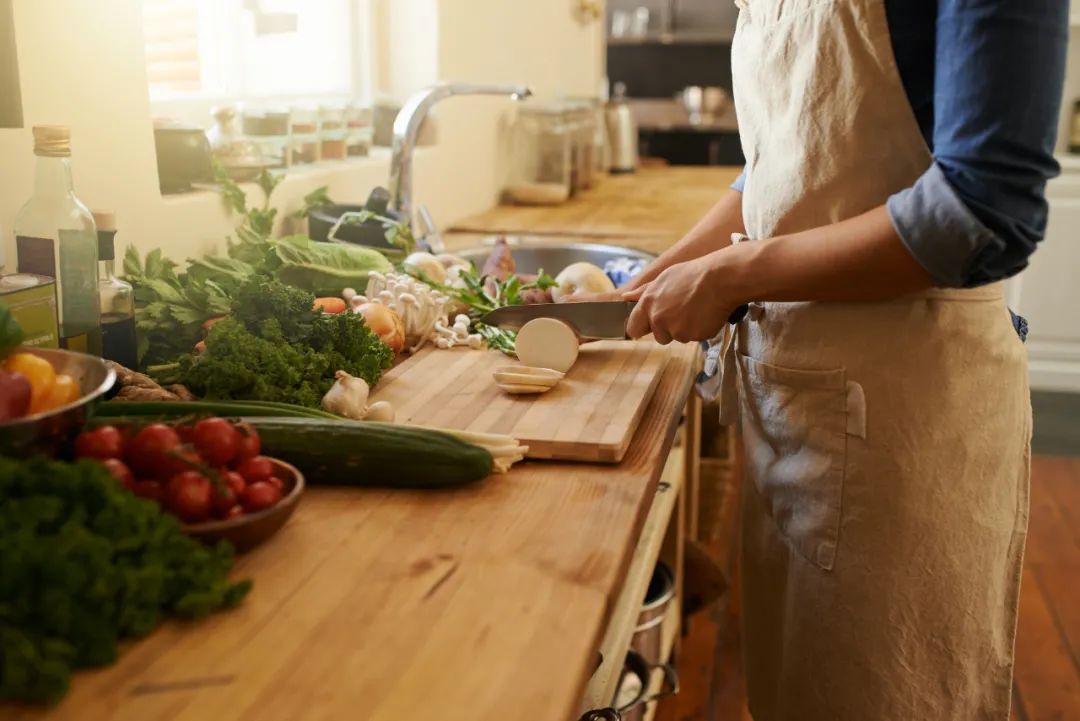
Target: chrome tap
[407, 127]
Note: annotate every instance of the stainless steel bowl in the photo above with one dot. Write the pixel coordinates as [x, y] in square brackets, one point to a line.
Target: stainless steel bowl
[533, 254]
[51, 431]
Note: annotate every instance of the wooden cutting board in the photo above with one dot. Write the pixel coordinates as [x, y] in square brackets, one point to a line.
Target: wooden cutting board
[591, 415]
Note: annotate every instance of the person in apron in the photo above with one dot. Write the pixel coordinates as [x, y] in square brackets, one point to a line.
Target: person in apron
[881, 381]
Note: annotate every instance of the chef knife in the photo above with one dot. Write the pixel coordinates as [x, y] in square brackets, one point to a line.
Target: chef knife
[594, 320]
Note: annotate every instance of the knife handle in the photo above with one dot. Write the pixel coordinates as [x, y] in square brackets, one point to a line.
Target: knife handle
[738, 314]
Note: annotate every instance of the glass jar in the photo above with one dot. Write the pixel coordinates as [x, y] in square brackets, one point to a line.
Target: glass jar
[542, 164]
[585, 138]
[332, 132]
[269, 129]
[303, 136]
[360, 131]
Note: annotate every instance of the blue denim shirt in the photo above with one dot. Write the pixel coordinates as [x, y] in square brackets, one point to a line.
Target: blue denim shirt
[984, 78]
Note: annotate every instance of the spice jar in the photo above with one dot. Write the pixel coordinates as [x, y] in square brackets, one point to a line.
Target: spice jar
[360, 131]
[541, 168]
[303, 136]
[270, 130]
[332, 132]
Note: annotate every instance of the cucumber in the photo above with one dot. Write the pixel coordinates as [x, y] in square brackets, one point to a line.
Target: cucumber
[179, 409]
[355, 453]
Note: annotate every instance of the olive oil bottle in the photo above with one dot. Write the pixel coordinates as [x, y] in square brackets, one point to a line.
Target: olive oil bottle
[55, 237]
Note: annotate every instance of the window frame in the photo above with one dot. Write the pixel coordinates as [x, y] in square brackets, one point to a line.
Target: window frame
[197, 109]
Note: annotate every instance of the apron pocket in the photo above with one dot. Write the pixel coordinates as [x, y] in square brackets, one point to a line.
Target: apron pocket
[795, 423]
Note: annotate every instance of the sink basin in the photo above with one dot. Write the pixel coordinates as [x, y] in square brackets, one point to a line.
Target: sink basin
[552, 255]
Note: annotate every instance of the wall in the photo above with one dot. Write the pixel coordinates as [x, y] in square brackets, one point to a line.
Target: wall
[96, 83]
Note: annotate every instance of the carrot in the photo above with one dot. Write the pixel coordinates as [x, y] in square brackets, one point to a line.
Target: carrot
[209, 323]
[333, 306]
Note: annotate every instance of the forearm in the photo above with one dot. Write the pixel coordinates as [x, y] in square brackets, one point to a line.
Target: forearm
[858, 259]
[711, 233]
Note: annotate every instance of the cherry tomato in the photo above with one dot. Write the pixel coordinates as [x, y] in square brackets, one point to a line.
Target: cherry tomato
[256, 469]
[120, 471]
[235, 512]
[259, 496]
[216, 440]
[39, 372]
[235, 481]
[186, 433]
[178, 460]
[101, 443]
[146, 452]
[150, 490]
[277, 482]
[190, 496]
[223, 500]
[249, 444]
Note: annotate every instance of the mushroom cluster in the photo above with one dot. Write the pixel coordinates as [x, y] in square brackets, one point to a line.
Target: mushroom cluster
[457, 334]
[421, 308]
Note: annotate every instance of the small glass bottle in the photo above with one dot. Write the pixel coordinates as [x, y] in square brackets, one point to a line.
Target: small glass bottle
[117, 298]
[55, 237]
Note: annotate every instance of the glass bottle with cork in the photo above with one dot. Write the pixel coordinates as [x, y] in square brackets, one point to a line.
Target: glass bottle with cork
[117, 297]
[55, 237]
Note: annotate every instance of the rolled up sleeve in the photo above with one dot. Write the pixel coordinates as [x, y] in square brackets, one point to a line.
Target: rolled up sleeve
[739, 182]
[979, 211]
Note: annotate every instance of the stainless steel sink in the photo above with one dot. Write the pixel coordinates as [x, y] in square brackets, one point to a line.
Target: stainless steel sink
[533, 254]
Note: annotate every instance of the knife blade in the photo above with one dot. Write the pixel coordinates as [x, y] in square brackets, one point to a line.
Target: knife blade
[603, 320]
[594, 320]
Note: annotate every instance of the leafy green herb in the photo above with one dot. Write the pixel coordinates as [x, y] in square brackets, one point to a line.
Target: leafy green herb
[11, 334]
[483, 294]
[318, 198]
[85, 563]
[276, 348]
[397, 234]
[170, 308]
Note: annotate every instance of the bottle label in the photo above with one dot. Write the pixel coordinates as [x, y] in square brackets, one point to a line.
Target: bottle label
[80, 306]
[36, 255]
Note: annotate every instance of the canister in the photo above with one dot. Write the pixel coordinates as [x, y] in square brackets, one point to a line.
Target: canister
[32, 301]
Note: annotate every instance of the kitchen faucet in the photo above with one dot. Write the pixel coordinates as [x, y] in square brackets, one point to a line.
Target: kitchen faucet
[407, 127]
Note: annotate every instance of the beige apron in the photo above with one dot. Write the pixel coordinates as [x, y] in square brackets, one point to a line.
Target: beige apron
[887, 444]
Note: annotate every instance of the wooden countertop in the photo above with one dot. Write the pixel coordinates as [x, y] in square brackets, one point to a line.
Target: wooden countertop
[651, 208]
[483, 603]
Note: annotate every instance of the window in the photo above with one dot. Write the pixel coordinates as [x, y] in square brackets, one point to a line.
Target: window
[203, 52]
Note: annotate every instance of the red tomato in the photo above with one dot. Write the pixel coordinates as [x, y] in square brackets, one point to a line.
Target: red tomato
[235, 481]
[277, 482]
[146, 453]
[216, 440]
[178, 460]
[186, 433]
[101, 443]
[235, 512]
[256, 469]
[150, 490]
[120, 471]
[190, 496]
[223, 500]
[259, 496]
[249, 444]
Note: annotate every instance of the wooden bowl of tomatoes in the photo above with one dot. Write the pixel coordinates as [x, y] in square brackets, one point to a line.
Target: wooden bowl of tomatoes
[46, 396]
[209, 473]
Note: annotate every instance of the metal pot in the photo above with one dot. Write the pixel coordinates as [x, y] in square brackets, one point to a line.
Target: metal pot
[533, 254]
[647, 638]
[633, 709]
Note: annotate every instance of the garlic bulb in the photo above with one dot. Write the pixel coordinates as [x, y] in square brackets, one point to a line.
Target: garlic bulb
[347, 397]
[380, 412]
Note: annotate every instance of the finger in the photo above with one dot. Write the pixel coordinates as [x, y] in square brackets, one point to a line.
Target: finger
[638, 323]
[635, 295]
[661, 336]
